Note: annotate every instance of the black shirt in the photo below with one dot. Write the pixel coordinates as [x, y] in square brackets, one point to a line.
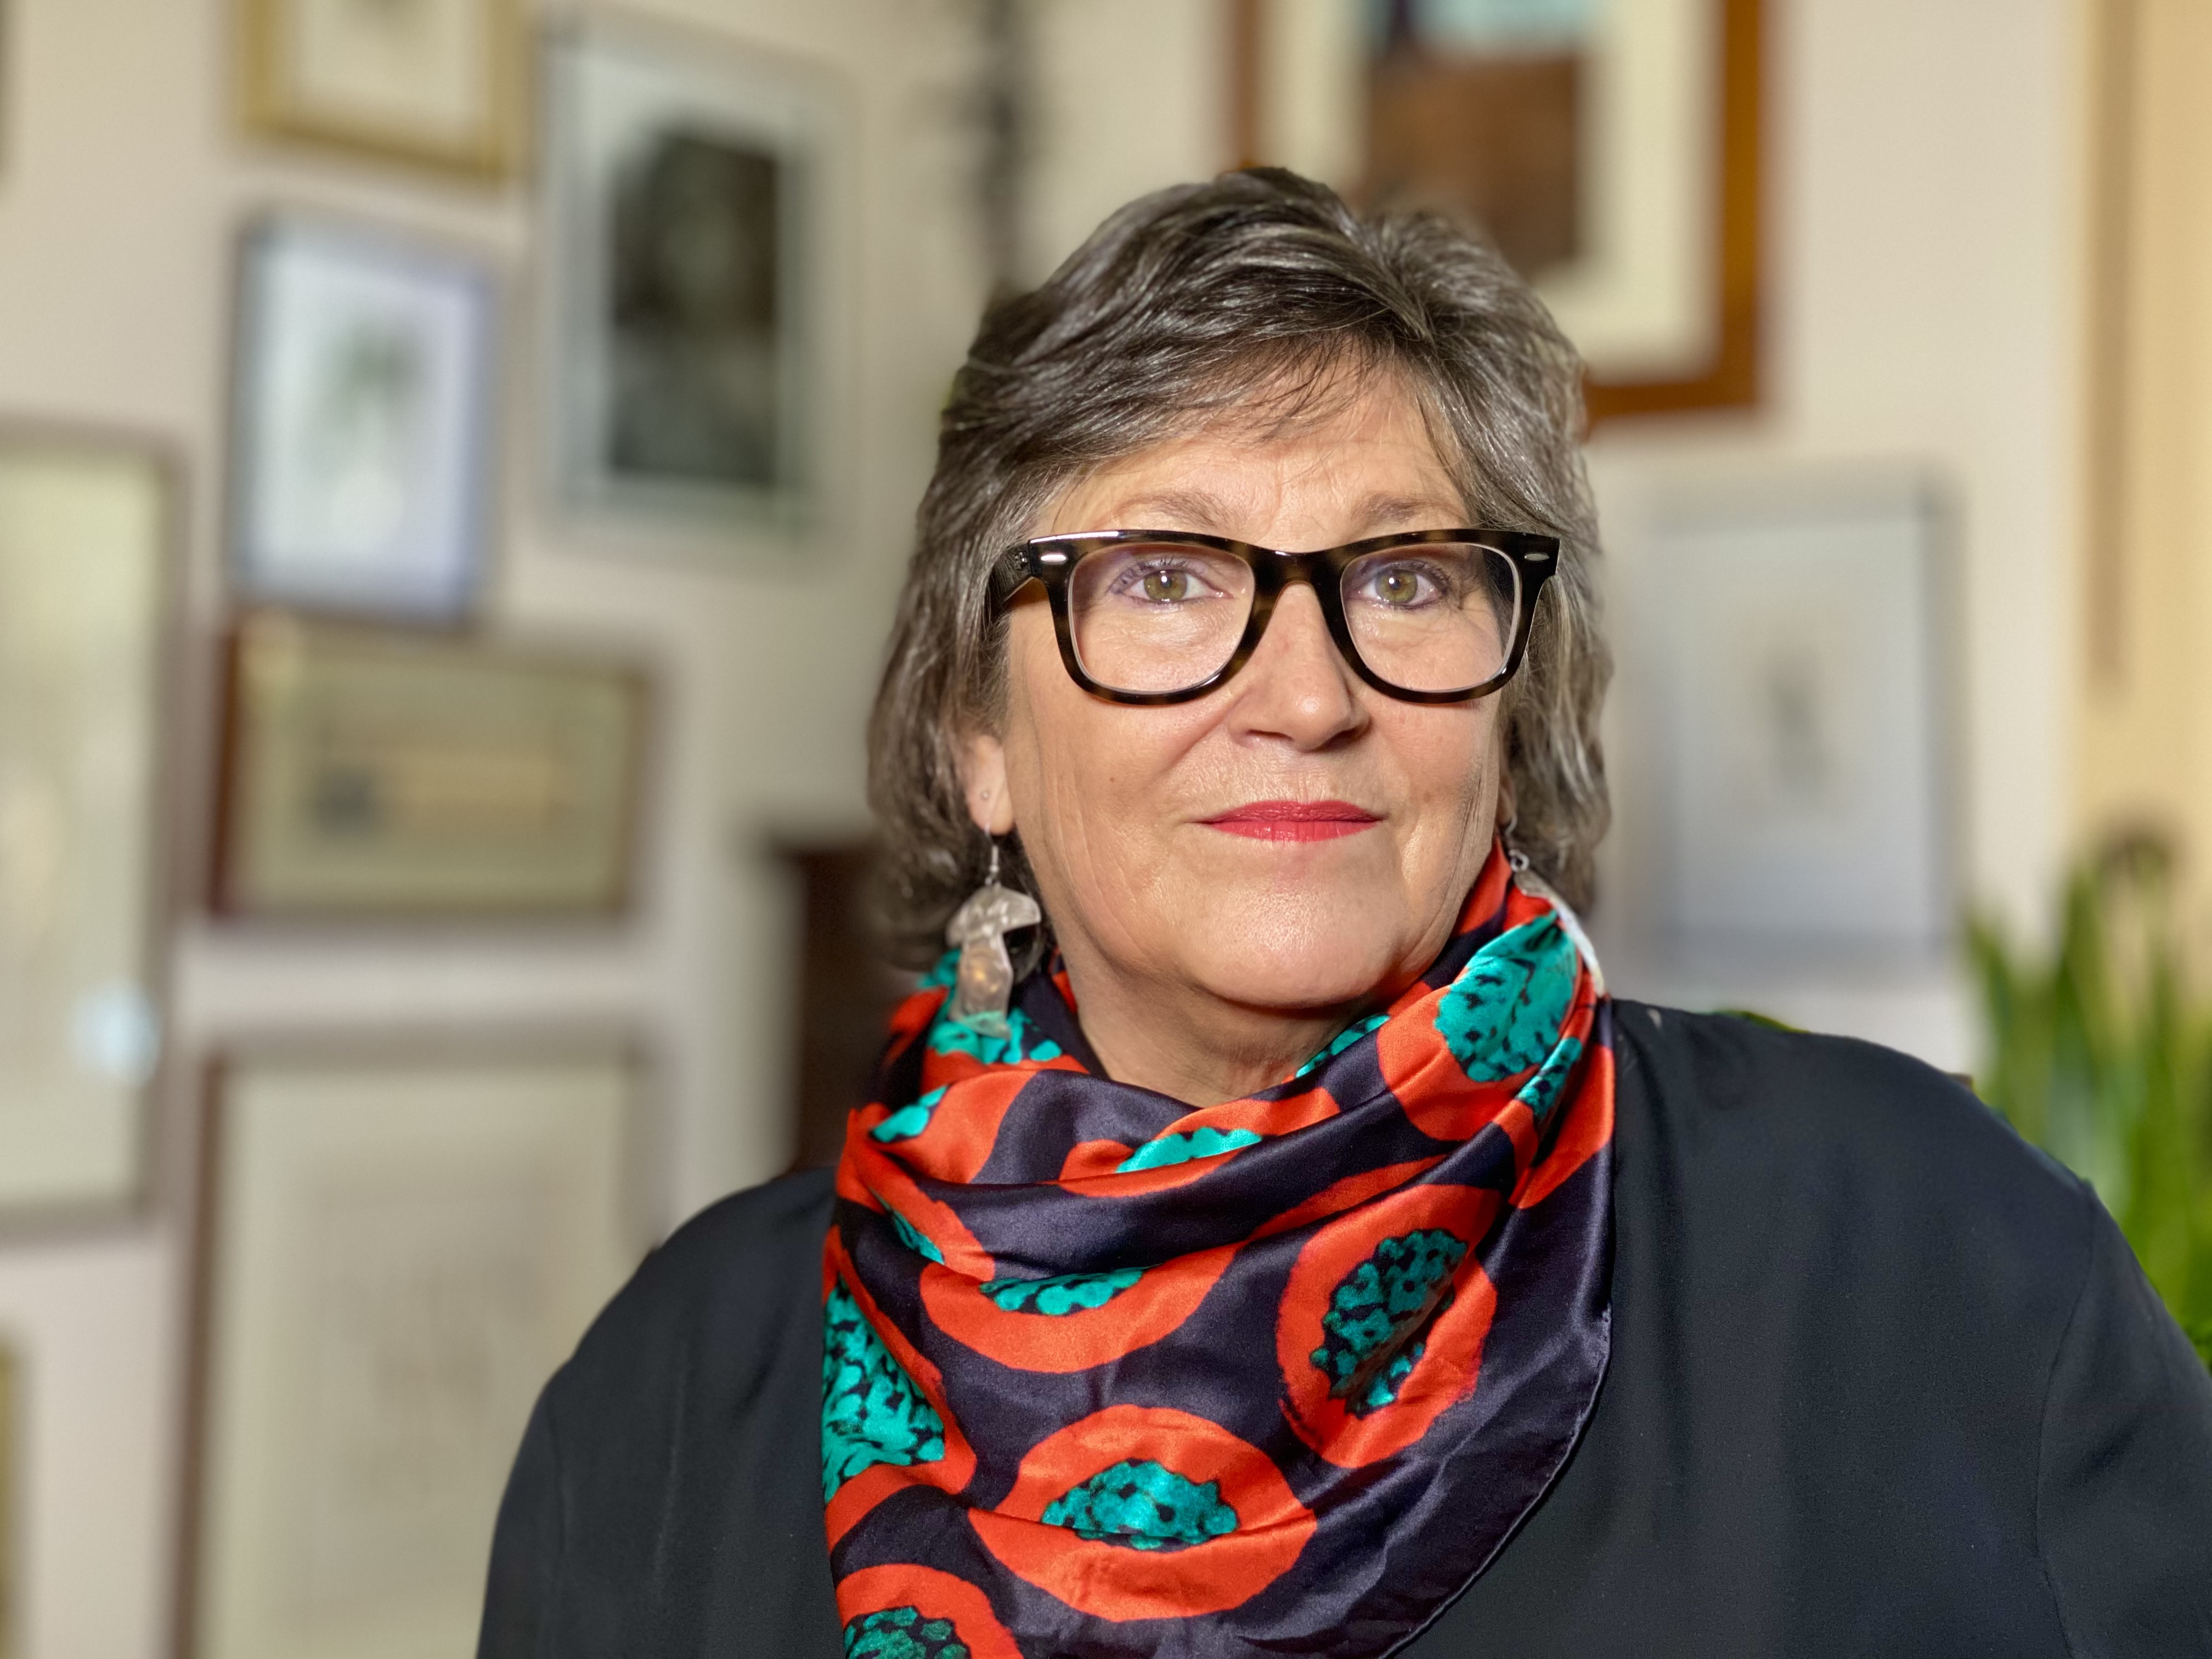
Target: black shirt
[1884, 1380]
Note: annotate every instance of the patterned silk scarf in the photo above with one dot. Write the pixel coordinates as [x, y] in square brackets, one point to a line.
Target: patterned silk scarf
[1103, 1376]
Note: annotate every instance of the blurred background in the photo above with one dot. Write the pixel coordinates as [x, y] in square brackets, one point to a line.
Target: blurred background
[456, 463]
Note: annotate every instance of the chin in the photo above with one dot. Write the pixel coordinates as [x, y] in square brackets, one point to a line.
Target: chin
[1295, 967]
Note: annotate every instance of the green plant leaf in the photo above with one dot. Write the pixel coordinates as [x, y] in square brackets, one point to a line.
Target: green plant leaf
[2098, 1053]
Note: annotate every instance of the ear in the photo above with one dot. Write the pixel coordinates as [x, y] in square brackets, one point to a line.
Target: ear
[1505, 812]
[983, 780]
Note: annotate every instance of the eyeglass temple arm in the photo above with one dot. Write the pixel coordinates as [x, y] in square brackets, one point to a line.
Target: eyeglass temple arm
[1010, 572]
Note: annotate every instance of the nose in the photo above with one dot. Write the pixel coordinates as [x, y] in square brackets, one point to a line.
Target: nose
[1298, 686]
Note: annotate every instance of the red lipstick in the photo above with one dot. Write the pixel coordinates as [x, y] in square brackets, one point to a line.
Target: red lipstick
[1295, 820]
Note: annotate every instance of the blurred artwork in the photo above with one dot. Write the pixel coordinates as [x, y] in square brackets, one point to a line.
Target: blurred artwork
[692, 312]
[1801, 641]
[435, 82]
[681, 184]
[10, 1462]
[84, 529]
[1474, 108]
[388, 775]
[361, 408]
[1608, 149]
[401, 1248]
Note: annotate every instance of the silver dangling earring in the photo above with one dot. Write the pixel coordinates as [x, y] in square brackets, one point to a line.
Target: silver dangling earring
[1570, 924]
[1513, 856]
[984, 983]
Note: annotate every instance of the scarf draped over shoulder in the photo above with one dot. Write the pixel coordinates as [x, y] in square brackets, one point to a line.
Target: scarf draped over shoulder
[1103, 1376]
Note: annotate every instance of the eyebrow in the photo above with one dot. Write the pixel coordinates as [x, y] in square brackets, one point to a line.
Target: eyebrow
[1378, 511]
[1198, 509]
[1172, 509]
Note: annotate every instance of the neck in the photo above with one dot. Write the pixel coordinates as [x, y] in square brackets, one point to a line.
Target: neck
[1190, 1046]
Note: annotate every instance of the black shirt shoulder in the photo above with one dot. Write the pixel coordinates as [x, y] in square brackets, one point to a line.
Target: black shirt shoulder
[723, 1277]
[1850, 1169]
[683, 1423]
[1884, 1378]
[1738, 1087]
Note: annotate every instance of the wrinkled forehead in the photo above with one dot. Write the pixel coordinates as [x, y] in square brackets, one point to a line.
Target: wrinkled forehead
[1359, 443]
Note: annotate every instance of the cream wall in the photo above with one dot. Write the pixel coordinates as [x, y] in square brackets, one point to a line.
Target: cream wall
[2144, 741]
[1923, 308]
[1924, 315]
[1131, 97]
[123, 181]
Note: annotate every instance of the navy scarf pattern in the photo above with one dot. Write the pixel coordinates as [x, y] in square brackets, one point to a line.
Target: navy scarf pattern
[1103, 1376]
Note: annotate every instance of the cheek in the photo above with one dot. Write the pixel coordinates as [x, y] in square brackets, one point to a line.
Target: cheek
[1447, 756]
[1103, 775]
[1070, 755]
[1095, 785]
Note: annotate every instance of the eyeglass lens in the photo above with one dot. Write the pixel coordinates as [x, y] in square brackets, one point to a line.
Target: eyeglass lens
[1435, 616]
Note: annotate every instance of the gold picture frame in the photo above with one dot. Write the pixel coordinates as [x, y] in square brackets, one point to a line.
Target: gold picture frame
[378, 773]
[1674, 300]
[399, 1242]
[10, 1480]
[435, 83]
[87, 580]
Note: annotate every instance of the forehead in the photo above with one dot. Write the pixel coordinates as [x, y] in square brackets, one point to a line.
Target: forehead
[1362, 453]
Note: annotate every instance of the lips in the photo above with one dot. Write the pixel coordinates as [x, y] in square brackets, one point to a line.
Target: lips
[1295, 820]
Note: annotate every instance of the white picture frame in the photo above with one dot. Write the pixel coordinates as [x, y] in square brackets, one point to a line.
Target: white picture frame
[686, 372]
[362, 464]
[85, 588]
[1800, 631]
[399, 1246]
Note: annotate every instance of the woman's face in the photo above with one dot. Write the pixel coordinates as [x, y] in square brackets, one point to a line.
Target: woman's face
[1131, 816]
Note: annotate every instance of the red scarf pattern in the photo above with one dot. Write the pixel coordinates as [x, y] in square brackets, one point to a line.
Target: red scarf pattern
[1103, 1376]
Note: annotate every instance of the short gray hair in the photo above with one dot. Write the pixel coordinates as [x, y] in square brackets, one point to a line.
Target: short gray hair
[1259, 288]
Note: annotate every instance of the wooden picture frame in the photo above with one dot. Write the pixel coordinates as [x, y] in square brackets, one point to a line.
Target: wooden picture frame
[363, 390]
[402, 774]
[442, 84]
[89, 575]
[1722, 259]
[847, 992]
[398, 1242]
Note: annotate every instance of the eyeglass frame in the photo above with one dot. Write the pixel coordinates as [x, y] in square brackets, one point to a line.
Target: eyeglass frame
[1052, 559]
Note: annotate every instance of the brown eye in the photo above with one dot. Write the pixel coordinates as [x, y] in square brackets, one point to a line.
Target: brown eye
[1167, 587]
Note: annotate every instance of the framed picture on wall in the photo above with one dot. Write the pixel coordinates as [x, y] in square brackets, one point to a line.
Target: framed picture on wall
[362, 400]
[399, 1246]
[382, 773]
[439, 83]
[1609, 148]
[1800, 633]
[682, 185]
[11, 1463]
[86, 539]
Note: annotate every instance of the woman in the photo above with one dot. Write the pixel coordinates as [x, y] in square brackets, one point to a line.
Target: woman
[1306, 1256]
